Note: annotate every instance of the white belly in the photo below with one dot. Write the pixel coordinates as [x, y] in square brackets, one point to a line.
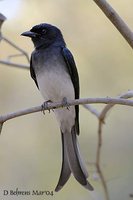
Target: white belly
[55, 85]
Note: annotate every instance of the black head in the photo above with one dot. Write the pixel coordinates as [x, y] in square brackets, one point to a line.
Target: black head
[45, 35]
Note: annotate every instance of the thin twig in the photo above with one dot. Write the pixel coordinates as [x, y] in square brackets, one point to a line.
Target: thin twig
[103, 181]
[2, 19]
[14, 55]
[16, 47]
[116, 20]
[14, 64]
[98, 159]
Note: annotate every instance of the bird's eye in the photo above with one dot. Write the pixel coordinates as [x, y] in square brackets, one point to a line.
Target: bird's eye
[44, 31]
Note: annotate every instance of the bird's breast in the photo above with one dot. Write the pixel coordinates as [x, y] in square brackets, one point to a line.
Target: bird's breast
[55, 83]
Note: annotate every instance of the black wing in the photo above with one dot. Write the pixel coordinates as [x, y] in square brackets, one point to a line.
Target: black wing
[74, 77]
[32, 72]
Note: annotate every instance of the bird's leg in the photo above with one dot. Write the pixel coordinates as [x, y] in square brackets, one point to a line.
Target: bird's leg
[65, 103]
[45, 106]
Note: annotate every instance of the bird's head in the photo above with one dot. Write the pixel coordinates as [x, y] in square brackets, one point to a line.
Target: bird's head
[45, 35]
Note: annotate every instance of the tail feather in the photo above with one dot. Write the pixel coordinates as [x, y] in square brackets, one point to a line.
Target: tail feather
[80, 158]
[72, 161]
[65, 170]
[76, 163]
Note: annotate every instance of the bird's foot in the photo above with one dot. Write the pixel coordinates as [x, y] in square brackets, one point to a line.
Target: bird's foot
[65, 103]
[45, 106]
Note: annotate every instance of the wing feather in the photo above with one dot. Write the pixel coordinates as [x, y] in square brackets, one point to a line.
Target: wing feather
[68, 57]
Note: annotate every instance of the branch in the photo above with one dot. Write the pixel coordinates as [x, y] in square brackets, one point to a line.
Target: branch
[107, 100]
[16, 47]
[92, 110]
[102, 116]
[127, 95]
[2, 19]
[98, 159]
[128, 35]
[23, 53]
[116, 20]
[56, 105]
[14, 64]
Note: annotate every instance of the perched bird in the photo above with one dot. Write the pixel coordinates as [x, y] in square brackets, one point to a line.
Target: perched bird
[53, 69]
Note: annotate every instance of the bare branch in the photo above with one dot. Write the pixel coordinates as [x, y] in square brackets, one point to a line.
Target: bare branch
[98, 159]
[127, 95]
[102, 116]
[103, 181]
[24, 53]
[92, 110]
[16, 47]
[50, 106]
[14, 64]
[107, 100]
[116, 20]
[128, 35]
[2, 19]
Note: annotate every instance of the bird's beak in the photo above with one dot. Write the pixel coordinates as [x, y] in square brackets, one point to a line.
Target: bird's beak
[29, 34]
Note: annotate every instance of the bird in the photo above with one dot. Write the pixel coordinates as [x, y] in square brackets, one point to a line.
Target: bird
[54, 71]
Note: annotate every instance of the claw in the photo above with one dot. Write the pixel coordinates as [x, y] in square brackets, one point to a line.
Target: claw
[45, 106]
[65, 103]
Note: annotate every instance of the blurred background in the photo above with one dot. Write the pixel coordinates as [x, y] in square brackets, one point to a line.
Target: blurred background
[30, 146]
